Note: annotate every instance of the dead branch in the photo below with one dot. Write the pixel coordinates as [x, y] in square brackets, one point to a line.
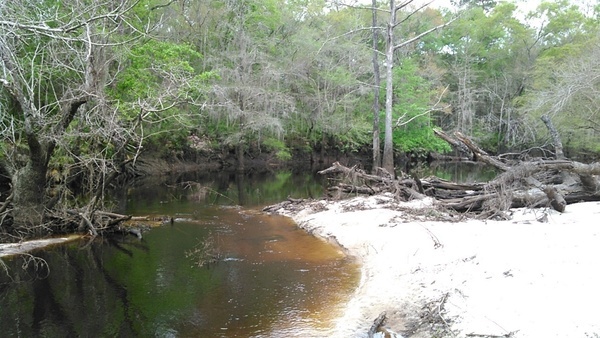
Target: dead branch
[285, 205]
[452, 141]
[4, 206]
[85, 221]
[536, 174]
[377, 323]
[558, 147]
[535, 183]
[480, 154]
[336, 167]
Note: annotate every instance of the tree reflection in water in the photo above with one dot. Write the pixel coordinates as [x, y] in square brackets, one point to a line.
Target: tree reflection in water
[274, 277]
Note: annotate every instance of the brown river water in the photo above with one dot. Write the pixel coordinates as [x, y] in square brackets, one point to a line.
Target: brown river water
[272, 279]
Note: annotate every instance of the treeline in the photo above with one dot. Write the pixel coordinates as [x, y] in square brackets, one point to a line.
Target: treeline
[88, 87]
[297, 76]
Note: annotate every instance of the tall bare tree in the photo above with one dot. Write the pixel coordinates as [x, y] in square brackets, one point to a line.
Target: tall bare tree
[391, 47]
[376, 89]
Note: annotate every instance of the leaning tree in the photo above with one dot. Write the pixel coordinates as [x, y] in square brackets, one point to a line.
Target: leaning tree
[54, 65]
[60, 64]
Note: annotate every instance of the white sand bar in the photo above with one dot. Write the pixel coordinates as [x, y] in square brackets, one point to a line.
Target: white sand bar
[516, 278]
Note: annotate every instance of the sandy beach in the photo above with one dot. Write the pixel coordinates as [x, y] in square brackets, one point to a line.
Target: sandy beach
[536, 275]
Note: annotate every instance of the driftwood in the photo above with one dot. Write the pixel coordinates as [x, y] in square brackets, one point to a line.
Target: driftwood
[561, 177]
[536, 183]
[87, 220]
[453, 142]
[357, 181]
[95, 222]
[558, 147]
[275, 207]
[377, 323]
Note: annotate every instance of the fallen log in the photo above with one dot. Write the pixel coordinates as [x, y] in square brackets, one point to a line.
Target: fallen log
[436, 182]
[357, 181]
[283, 205]
[353, 172]
[461, 147]
[480, 154]
[114, 218]
[353, 189]
[555, 187]
[511, 189]
[535, 183]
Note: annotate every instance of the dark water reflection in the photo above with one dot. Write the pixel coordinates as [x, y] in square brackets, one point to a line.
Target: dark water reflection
[459, 172]
[274, 280]
[223, 188]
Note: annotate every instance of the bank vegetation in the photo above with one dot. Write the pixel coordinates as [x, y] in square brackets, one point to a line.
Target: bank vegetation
[88, 93]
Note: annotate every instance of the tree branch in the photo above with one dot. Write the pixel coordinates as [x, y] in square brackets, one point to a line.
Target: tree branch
[346, 34]
[403, 5]
[361, 7]
[416, 38]
[400, 123]
[413, 13]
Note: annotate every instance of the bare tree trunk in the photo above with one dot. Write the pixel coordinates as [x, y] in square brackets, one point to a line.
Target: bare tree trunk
[558, 146]
[29, 182]
[388, 146]
[465, 101]
[29, 185]
[376, 87]
[239, 154]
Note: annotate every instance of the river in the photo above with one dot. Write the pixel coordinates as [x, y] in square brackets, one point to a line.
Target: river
[272, 279]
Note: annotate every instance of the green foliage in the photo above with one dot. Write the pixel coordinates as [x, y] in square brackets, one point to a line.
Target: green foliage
[162, 74]
[566, 82]
[264, 15]
[152, 64]
[302, 68]
[482, 4]
[485, 41]
[279, 148]
[356, 136]
[564, 22]
[419, 141]
[412, 97]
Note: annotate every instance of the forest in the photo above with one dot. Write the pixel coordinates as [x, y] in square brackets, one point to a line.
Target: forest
[89, 90]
